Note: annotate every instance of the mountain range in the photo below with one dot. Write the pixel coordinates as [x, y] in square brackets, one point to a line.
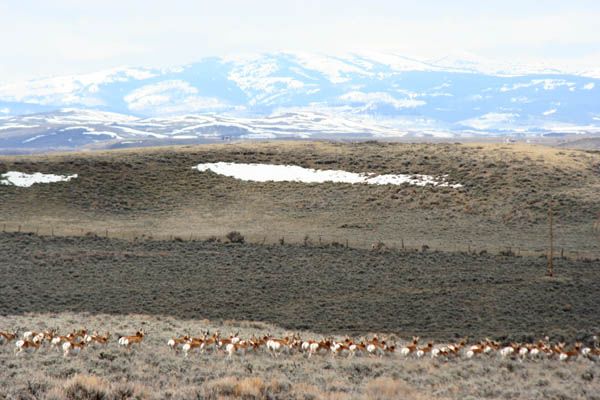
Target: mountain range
[290, 94]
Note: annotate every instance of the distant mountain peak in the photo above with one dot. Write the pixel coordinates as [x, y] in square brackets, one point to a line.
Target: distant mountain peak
[390, 94]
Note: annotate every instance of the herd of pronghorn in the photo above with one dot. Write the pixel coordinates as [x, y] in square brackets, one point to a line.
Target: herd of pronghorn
[74, 342]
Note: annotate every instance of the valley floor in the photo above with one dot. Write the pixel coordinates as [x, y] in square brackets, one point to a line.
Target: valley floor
[325, 288]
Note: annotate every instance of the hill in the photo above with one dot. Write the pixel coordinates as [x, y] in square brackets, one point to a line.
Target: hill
[503, 202]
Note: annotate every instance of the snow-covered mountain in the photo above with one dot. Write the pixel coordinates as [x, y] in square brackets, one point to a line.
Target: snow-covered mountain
[300, 95]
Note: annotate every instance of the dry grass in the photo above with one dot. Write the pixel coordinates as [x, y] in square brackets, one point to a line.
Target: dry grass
[154, 372]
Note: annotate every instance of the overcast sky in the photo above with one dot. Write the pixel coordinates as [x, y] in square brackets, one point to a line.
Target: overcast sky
[45, 37]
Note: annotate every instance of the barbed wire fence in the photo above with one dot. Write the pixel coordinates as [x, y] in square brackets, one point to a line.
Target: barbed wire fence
[265, 236]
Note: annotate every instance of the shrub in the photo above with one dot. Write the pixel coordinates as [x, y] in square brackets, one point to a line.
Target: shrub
[235, 237]
[232, 387]
[213, 239]
[307, 241]
[379, 246]
[84, 387]
[386, 388]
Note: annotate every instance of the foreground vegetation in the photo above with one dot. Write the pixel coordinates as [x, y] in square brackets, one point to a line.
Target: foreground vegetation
[155, 372]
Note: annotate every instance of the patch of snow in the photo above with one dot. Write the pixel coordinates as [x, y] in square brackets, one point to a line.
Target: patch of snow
[170, 97]
[85, 116]
[331, 67]
[257, 136]
[74, 128]
[15, 126]
[589, 86]
[184, 137]
[380, 98]
[131, 141]
[33, 138]
[71, 89]
[546, 84]
[21, 179]
[105, 133]
[292, 173]
[489, 120]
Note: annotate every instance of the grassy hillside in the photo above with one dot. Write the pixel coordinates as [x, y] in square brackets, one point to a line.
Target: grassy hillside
[504, 202]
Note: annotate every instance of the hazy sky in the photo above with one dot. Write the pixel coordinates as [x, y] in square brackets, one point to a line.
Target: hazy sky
[45, 37]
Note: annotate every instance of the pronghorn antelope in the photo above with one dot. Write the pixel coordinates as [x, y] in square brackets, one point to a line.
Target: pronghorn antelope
[424, 350]
[232, 339]
[508, 351]
[240, 348]
[72, 348]
[314, 347]
[278, 346]
[27, 346]
[192, 344]
[128, 341]
[357, 349]
[6, 337]
[202, 344]
[58, 340]
[38, 337]
[376, 347]
[73, 343]
[96, 338]
[340, 349]
[82, 333]
[177, 343]
[571, 354]
[410, 348]
[475, 350]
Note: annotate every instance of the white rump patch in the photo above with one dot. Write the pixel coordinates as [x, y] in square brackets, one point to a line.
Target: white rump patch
[21, 179]
[291, 173]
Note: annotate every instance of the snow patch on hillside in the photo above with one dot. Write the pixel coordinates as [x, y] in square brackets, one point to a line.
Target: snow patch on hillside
[22, 179]
[292, 173]
[491, 121]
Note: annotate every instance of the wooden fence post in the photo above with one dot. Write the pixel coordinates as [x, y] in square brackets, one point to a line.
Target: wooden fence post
[550, 271]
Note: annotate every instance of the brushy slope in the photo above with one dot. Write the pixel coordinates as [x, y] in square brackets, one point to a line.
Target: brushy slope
[322, 288]
[504, 202]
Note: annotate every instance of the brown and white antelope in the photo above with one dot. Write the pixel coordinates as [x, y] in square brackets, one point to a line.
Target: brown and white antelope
[278, 346]
[27, 346]
[410, 348]
[96, 338]
[73, 348]
[570, 354]
[58, 340]
[240, 348]
[7, 337]
[128, 341]
[177, 343]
